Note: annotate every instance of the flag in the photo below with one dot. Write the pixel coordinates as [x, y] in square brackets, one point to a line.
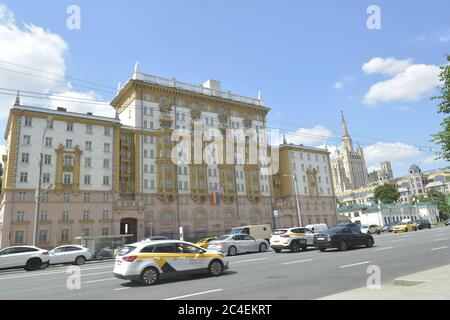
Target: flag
[215, 198]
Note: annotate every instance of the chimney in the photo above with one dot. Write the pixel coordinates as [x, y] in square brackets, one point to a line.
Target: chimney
[61, 109]
[89, 113]
[212, 84]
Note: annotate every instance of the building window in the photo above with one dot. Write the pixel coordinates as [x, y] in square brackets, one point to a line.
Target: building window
[49, 124]
[107, 131]
[22, 196]
[43, 216]
[85, 215]
[105, 231]
[25, 157]
[106, 147]
[26, 139]
[20, 216]
[88, 145]
[28, 121]
[65, 235]
[43, 236]
[89, 129]
[47, 159]
[106, 163]
[85, 232]
[66, 197]
[65, 216]
[24, 177]
[166, 216]
[46, 178]
[86, 197]
[69, 126]
[67, 178]
[105, 197]
[68, 161]
[19, 236]
[87, 179]
[87, 162]
[48, 142]
[105, 215]
[69, 143]
[106, 180]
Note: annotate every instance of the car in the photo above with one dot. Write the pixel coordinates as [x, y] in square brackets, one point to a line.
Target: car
[233, 244]
[350, 225]
[74, 254]
[404, 226]
[447, 223]
[28, 257]
[262, 231]
[316, 228]
[388, 227]
[372, 229]
[156, 238]
[423, 223]
[294, 239]
[204, 242]
[342, 238]
[147, 262]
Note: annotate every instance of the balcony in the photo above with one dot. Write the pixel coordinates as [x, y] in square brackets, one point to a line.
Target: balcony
[129, 205]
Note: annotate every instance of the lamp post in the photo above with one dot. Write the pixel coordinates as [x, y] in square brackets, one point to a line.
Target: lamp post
[294, 180]
[38, 193]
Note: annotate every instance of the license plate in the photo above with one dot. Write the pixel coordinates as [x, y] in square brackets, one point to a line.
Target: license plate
[275, 240]
[320, 238]
[118, 263]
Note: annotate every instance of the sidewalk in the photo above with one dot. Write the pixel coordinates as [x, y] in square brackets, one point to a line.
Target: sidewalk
[433, 284]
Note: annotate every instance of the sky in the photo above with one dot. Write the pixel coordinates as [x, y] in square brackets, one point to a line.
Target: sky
[310, 60]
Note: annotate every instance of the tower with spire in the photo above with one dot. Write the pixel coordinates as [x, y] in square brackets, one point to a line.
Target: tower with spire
[349, 167]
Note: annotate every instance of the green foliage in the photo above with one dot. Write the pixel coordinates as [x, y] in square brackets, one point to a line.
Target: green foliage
[1, 169]
[441, 201]
[387, 194]
[442, 138]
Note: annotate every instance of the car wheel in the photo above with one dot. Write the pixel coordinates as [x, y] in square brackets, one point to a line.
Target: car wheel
[262, 247]
[378, 232]
[343, 246]
[295, 246]
[277, 250]
[33, 264]
[406, 229]
[322, 249]
[45, 265]
[369, 243]
[149, 276]
[215, 268]
[232, 251]
[80, 260]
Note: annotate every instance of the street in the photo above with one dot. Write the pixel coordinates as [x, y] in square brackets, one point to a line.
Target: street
[304, 275]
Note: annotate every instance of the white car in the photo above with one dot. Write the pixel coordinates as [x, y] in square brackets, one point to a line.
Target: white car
[146, 262]
[75, 254]
[294, 239]
[27, 257]
[233, 244]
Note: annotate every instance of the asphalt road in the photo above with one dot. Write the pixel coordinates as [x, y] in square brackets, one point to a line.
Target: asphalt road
[269, 275]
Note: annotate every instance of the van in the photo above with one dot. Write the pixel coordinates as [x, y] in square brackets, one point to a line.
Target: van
[262, 231]
[316, 228]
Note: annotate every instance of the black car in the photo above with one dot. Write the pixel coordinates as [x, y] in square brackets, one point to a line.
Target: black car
[350, 225]
[342, 238]
[423, 223]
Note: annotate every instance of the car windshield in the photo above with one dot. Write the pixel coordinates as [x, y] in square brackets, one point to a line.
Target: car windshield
[279, 231]
[126, 250]
[223, 237]
[331, 231]
[365, 226]
[236, 230]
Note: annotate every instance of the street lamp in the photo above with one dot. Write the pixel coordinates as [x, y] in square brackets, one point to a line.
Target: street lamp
[294, 179]
[39, 192]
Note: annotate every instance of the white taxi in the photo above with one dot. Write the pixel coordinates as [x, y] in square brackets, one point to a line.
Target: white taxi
[146, 262]
[294, 239]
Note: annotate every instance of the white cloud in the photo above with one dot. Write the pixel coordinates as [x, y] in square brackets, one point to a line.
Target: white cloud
[338, 85]
[444, 36]
[2, 146]
[78, 105]
[392, 151]
[413, 84]
[387, 66]
[30, 45]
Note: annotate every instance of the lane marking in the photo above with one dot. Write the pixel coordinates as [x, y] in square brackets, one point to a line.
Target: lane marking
[100, 280]
[441, 239]
[250, 260]
[398, 240]
[299, 261]
[385, 248]
[440, 248]
[194, 294]
[49, 273]
[125, 288]
[354, 264]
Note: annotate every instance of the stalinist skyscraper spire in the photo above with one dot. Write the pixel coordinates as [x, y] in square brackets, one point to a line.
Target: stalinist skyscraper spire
[346, 139]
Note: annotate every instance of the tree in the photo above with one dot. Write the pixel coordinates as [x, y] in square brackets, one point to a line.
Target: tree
[1, 169]
[441, 201]
[386, 194]
[442, 138]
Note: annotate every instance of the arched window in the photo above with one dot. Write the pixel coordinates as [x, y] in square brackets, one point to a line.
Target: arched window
[199, 216]
[68, 161]
[166, 216]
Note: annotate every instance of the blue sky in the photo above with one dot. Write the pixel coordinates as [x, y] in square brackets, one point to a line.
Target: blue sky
[306, 57]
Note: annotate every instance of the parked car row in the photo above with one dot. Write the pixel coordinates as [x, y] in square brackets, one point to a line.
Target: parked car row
[33, 258]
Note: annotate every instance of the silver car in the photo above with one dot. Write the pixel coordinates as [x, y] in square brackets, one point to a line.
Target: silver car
[232, 244]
